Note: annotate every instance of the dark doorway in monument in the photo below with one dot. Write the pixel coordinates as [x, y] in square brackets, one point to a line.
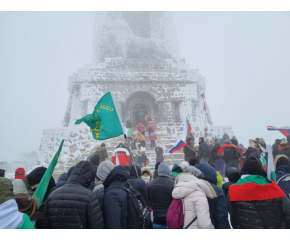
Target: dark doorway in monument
[138, 104]
[140, 110]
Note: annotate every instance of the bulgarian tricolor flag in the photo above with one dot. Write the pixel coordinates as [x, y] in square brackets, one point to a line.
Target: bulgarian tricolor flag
[254, 188]
[186, 128]
[130, 131]
[270, 170]
[204, 106]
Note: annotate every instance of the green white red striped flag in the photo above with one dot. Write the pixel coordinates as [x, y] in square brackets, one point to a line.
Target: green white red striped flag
[271, 175]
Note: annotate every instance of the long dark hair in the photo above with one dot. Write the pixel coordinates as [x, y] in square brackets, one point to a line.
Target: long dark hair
[27, 205]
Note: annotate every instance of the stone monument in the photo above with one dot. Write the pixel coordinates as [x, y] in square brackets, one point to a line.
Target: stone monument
[136, 56]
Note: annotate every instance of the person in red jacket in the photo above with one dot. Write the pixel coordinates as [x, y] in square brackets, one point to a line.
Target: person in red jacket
[121, 156]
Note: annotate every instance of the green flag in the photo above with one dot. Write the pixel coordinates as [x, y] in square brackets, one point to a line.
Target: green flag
[42, 186]
[104, 121]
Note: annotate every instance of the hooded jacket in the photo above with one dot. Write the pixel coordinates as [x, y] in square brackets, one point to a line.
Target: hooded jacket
[275, 147]
[10, 217]
[194, 193]
[159, 194]
[123, 156]
[74, 206]
[115, 199]
[67, 175]
[217, 206]
[135, 181]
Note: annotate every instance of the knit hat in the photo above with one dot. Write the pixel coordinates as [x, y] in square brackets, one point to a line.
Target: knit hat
[253, 166]
[135, 171]
[194, 171]
[233, 174]
[95, 159]
[163, 170]
[283, 141]
[282, 160]
[104, 169]
[184, 164]
[19, 186]
[251, 143]
[36, 175]
[19, 173]
[193, 161]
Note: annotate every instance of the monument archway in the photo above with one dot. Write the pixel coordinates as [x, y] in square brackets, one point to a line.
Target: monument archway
[138, 105]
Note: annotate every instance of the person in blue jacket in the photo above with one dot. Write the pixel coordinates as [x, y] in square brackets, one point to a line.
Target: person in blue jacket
[115, 201]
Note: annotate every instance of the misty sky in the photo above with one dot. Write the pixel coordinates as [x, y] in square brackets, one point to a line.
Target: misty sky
[244, 57]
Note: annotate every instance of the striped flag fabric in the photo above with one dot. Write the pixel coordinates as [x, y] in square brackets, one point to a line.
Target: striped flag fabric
[202, 95]
[117, 160]
[284, 130]
[178, 145]
[130, 131]
[204, 106]
[186, 129]
[271, 175]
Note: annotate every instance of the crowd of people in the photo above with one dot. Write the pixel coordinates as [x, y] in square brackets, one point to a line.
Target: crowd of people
[219, 185]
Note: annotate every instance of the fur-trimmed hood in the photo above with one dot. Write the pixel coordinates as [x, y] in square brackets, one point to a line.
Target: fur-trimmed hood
[146, 169]
[183, 178]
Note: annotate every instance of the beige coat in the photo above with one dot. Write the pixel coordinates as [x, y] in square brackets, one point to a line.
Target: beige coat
[195, 203]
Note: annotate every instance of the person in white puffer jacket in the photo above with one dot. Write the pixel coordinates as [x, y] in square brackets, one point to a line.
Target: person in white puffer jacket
[194, 193]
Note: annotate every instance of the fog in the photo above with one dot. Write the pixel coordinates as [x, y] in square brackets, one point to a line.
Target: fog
[244, 57]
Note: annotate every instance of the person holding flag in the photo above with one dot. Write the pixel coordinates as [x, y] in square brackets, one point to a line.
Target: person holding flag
[74, 205]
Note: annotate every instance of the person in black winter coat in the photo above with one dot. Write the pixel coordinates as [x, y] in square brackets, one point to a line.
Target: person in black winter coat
[74, 206]
[233, 174]
[203, 153]
[116, 199]
[94, 159]
[275, 147]
[217, 206]
[188, 149]
[34, 178]
[155, 175]
[159, 154]
[67, 175]
[159, 192]
[262, 204]
[61, 177]
[135, 181]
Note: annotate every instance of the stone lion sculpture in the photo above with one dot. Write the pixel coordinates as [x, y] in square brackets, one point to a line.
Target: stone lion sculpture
[123, 42]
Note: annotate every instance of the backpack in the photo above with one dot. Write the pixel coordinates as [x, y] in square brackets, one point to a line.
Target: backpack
[175, 215]
[229, 153]
[152, 136]
[138, 211]
[284, 183]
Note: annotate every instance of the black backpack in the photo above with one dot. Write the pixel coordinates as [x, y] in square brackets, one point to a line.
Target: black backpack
[138, 211]
[229, 153]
